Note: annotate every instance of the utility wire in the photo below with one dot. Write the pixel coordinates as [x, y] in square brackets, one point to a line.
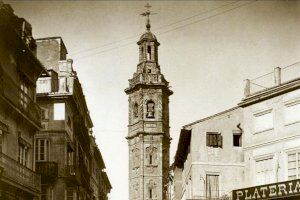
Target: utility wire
[161, 27]
[179, 27]
[273, 72]
[203, 19]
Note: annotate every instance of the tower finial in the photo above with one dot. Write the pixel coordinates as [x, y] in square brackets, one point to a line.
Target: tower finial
[146, 14]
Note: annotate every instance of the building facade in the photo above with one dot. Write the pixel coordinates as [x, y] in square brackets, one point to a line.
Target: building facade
[252, 149]
[209, 151]
[148, 130]
[20, 117]
[67, 156]
[271, 132]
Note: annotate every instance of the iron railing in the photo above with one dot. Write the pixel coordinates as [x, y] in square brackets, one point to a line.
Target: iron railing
[48, 171]
[14, 171]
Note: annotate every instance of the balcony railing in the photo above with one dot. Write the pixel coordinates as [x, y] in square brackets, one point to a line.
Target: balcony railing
[279, 76]
[20, 174]
[48, 171]
[146, 78]
[72, 174]
[13, 93]
[46, 85]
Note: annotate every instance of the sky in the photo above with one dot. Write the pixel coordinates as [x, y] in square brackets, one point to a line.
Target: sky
[208, 48]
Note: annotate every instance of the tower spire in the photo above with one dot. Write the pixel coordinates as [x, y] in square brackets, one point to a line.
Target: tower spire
[147, 14]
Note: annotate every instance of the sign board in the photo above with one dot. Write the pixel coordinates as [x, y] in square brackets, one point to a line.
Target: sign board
[270, 191]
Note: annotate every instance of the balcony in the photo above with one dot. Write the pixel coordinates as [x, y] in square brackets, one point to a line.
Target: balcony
[19, 99]
[53, 86]
[48, 171]
[19, 174]
[72, 174]
[146, 79]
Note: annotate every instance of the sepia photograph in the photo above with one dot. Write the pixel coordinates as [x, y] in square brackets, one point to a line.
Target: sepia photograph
[149, 100]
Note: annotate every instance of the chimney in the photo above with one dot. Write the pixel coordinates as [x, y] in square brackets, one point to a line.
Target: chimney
[277, 76]
[247, 87]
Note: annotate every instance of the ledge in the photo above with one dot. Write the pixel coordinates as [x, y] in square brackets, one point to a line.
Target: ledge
[270, 92]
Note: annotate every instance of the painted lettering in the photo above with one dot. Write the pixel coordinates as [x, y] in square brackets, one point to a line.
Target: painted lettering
[263, 190]
[282, 189]
[290, 188]
[247, 197]
[239, 194]
[297, 187]
[255, 194]
[273, 192]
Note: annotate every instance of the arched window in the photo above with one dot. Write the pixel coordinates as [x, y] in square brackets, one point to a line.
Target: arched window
[148, 52]
[135, 110]
[152, 190]
[151, 155]
[150, 109]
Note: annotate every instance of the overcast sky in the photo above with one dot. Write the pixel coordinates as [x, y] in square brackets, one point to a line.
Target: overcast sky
[205, 57]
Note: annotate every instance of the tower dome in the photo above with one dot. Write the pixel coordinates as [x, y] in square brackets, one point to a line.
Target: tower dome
[148, 36]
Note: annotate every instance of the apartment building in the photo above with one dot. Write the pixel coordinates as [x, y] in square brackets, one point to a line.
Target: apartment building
[66, 153]
[252, 149]
[272, 136]
[20, 117]
[209, 161]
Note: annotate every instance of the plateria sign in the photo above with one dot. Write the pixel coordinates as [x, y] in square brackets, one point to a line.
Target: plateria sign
[270, 191]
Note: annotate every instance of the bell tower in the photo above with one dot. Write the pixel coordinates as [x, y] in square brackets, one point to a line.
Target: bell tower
[148, 129]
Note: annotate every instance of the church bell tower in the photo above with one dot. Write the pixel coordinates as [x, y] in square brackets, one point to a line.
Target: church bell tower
[148, 129]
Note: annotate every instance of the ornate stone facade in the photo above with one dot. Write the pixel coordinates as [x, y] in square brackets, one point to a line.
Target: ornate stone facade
[148, 129]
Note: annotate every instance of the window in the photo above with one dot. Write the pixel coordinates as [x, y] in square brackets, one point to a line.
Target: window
[59, 111]
[292, 113]
[152, 190]
[42, 150]
[148, 52]
[150, 109]
[44, 192]
[135, 110]
[150, 193]
[25, 94]
[214, 139]
[212, 186]
[63, 87]
[23, 154]
[44, 113]
[69, 194]
[293, 166]
[237, 139]
[70, 158]
[263, 121]
[264, 171]
[151, 154]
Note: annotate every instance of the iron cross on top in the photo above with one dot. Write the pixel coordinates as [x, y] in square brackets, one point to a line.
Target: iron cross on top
[147, 14]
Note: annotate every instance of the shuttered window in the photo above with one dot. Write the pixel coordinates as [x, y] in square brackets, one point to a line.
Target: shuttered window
[214, 139]
[293, 166]
[212, 187]
[264, 171]
[69, 194]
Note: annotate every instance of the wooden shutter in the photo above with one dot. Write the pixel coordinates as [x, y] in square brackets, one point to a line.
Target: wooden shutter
[207, 140]
[220, 140]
